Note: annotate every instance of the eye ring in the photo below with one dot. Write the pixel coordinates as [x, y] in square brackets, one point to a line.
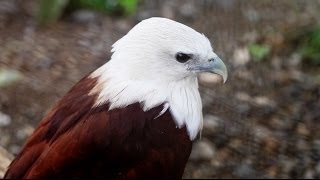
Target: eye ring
[182, 57]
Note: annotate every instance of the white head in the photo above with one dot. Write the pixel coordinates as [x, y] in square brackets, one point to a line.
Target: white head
[157, 62]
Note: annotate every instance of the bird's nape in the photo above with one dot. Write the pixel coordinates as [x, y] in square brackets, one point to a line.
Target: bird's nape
[134, 117]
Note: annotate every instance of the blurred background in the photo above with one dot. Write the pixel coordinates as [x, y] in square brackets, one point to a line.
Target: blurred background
[263, 123]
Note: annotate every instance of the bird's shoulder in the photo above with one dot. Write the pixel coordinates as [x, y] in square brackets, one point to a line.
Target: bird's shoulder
[75, 131]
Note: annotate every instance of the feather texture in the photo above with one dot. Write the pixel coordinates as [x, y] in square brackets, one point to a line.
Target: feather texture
[75, 140]
[143, 69]
[134, 117]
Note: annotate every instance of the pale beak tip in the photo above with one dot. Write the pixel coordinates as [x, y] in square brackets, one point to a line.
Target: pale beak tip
[225, 77]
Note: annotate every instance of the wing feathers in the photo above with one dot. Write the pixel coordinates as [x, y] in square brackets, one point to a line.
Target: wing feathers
[75, 140]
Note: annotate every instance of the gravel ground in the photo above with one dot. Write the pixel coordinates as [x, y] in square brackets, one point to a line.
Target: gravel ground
[263, 123]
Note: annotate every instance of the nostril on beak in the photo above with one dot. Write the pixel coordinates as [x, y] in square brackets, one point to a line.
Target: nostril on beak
[211, 60]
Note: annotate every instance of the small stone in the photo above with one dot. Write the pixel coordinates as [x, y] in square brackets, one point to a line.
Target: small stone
[309, 174]
[9, 76]
[241, 57]
[287, 164]
[276, 63]
[235, 144]
[316, 145]
[244, 170]
[242, 96]
[5, 140]
[277, 123]
[202, 150]
[295, 60]
[272, 171]
[14, 149]
[83, 16]
[210, 78]
[261, 132]
[5, 160]
[5, 119]
[264, 101]
[24, 132]
[297, 75]
[317, 168]
[302, 129]
[211, 124]
[243, 108]
[270, 145]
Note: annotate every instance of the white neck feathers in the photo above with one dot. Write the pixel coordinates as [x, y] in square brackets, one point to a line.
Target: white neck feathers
[181, 97]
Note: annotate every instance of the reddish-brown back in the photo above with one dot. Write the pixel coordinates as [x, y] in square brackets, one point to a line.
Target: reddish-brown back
[75, 140]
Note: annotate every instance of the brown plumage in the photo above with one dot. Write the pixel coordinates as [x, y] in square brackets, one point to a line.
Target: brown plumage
[74, 141]
[134, 117]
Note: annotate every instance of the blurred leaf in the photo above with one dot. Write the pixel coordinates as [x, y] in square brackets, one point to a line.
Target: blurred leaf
[126, 7]
[310, 46]
[99, 5]
[129, 6]
[9, 76]
[51, 10]
[258, 52]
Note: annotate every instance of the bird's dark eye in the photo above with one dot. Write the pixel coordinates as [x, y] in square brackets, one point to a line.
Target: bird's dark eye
[182, 57]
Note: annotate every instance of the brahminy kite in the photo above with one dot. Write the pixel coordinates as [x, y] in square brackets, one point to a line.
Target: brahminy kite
[134, 117]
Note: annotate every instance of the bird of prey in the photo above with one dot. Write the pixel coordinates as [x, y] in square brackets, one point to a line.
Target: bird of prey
[134, 117]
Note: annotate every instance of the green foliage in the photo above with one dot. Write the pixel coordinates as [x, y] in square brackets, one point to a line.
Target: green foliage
[51, 10]
[129, 6]
[126, 7]
[310, 46]
[8, 77]
[258, 52]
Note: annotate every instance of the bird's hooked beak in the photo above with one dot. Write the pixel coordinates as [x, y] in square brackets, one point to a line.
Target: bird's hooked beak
[213, 65]
[217, 66]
